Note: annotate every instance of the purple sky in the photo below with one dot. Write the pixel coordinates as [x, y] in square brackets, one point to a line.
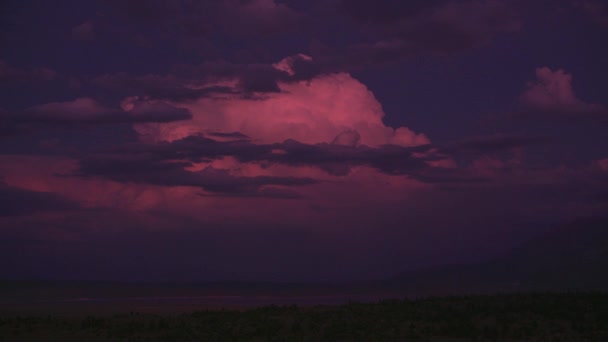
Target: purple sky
[293, 140]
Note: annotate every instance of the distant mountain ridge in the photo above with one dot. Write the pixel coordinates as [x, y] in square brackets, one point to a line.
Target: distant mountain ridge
[570, 257]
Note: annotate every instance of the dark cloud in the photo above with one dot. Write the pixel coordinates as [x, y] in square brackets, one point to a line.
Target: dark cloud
[264, 82]
[196, 148]
[566, 116]
[488, 144]
[183, 19]
[252, 77]
[18, 201]
[332, 158]
[89, 111]
[157, 87]
[436, 26]
[229, 135]
[262, 192]
[390, 159]
[156, 171]
[384, 32]
[190, 82]
[398, 31]
[383, 12]
[347, 138]
[404, 29]
[435, 21]
[457, 25]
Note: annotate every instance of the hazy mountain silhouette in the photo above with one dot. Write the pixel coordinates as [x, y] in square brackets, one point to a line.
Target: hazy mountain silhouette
[569, 257]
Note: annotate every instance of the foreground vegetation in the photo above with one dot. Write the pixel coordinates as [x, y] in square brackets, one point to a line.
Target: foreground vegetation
[509, 317]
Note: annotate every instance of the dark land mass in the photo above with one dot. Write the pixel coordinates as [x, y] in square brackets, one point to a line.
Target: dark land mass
[553, 287]
[508, 317]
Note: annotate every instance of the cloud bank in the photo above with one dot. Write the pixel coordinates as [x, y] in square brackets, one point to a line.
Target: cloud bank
[89, 111]
[315, 111]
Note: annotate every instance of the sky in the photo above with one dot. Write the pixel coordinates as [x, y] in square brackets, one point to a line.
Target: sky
[317, 140]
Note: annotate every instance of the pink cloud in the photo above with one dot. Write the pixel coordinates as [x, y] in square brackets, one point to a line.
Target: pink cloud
[335, 109]
[55, 177]
[553, 91]
[315, 111]
[335, 195]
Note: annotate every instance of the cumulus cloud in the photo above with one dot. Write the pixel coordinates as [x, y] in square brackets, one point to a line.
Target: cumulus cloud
[347, 138]
[315, 111]
[553, 91]
[88, 111]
